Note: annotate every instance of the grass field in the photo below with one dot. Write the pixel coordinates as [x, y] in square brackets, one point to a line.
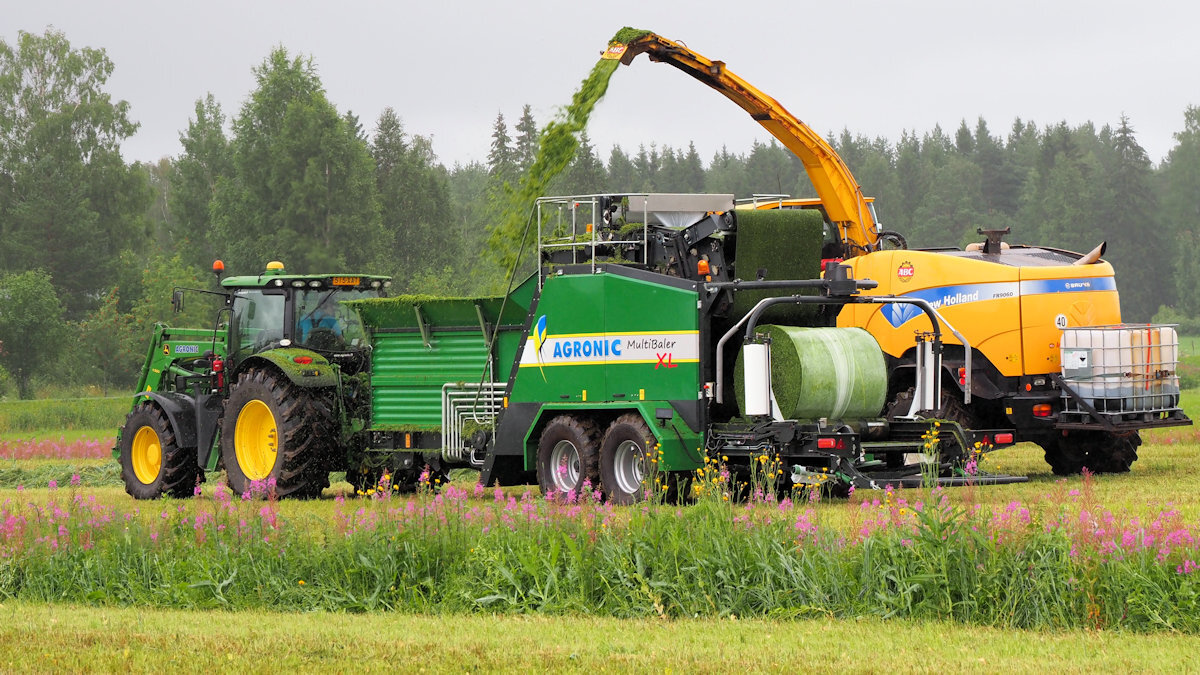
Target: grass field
[40, 638]
[65, 635]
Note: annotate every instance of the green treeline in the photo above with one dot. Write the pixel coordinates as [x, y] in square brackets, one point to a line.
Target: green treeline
[91, 246]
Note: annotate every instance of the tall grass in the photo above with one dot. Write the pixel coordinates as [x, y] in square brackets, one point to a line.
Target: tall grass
[62, 414]
[1062, 563]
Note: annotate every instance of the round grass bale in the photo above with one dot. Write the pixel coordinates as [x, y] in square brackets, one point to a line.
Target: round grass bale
[835, 373]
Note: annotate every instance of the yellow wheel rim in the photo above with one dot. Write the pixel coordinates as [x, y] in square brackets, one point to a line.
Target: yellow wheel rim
[256, 440]
[146, 454]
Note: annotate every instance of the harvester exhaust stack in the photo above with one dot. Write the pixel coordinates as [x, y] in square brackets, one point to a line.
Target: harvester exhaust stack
[1093, 255]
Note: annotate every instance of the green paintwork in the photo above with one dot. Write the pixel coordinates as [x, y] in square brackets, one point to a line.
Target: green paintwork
[174, 347]
[593, 306]
[407, 377]
[319, 373]
[412, 359]
[594, 310]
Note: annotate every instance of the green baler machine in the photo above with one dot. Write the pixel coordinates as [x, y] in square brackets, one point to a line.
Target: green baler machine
[615, 361]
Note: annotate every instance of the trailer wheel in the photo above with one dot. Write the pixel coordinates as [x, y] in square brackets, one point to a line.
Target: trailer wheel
[624, 459]
[567, 455]
[152, 463]
[274, 429]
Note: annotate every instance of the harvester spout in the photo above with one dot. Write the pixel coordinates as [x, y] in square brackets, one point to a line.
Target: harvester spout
[1093, 255]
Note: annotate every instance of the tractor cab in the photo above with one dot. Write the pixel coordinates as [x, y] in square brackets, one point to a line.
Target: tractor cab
[276, 310]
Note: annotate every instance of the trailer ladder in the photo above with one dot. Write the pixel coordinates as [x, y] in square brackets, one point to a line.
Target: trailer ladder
[467, 403]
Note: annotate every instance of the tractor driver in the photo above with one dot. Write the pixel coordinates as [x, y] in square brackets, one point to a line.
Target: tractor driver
[320, 324]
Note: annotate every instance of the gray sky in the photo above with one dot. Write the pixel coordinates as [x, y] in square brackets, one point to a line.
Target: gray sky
[449, 67]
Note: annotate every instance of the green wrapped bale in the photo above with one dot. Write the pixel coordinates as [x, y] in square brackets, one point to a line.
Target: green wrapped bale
[787, 244]
[835, 373]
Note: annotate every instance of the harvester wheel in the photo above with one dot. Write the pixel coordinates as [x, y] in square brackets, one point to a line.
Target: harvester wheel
[152, 463]
[1098, 451]
[275, 429]
[625, 458]
[1115, 454]
[568, 455]
[1065, 455]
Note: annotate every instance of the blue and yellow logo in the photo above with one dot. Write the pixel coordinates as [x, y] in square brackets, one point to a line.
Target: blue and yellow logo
[539, 339]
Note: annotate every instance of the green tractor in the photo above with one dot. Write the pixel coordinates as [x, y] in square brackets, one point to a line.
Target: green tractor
[277, 394]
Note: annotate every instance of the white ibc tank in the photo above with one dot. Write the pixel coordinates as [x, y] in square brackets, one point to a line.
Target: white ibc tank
[1122, 368]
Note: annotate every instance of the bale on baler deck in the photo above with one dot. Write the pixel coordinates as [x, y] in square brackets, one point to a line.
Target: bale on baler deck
[831, 373]
[787, 244]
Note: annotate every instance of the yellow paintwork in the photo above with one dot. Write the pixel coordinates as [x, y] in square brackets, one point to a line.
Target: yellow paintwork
[146, 455]
[836, 187]
[256, 440]
[1016, 332]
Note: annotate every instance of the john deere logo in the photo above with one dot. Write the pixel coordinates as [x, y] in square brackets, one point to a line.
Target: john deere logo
[905, 272]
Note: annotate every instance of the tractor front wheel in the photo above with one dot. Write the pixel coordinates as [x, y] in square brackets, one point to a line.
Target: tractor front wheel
[273, 429]
[625, 459]
[567, 455]
[152, 463]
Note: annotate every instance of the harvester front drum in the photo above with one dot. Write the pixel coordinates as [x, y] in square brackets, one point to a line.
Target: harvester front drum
[152, 463]
[625, 459]
[568, 455]
[274, 429]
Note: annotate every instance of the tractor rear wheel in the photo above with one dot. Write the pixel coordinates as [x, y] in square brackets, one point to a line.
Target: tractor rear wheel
[273, 429]
[568, 455]
[152, 463]
[625, 459]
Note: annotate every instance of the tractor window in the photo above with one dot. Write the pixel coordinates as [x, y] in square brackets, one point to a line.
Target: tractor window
[257, 319]
[323, 323]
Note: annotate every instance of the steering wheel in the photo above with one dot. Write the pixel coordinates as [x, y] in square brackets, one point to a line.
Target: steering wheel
[325, 339]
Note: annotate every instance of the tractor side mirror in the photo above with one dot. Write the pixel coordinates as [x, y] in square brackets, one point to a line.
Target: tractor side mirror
[177, 300]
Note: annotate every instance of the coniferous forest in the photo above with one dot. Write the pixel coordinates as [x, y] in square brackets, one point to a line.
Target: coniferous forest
[91, 245]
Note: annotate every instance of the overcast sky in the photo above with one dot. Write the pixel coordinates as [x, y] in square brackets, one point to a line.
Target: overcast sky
[449, 67]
